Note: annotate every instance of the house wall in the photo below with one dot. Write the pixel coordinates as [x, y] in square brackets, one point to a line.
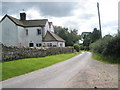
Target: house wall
[9, 32]
[51, 28]
[21, 36]
[0, 33]
[45, 29]
[46, 43]
[32, 36]
[58, 44]
[61, 44]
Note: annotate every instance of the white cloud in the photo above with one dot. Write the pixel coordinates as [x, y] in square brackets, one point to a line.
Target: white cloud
[84, 16]
[33, 13]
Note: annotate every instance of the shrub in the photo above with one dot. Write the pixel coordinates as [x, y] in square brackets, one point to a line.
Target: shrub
[100, 45]
[77, 47]
[113, 47]
[81, 47]
[108, 45]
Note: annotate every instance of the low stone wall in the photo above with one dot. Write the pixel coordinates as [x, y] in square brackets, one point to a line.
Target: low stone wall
[12, 53]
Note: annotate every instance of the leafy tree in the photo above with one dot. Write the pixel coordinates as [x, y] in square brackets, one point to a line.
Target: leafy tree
[90, 37]
[77, 47]
[95, 35]
[71, 37]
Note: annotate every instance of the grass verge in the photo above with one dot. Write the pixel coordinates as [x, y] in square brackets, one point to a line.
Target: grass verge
[106, 59]
[23, 66]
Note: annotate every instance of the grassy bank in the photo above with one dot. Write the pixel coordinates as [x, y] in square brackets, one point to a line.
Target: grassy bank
[106, 59]
[22, 66]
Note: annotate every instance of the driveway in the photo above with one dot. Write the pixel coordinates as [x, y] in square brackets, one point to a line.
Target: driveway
[80, 71]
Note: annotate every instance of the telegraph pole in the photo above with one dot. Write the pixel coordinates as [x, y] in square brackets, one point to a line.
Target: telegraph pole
[99, 19]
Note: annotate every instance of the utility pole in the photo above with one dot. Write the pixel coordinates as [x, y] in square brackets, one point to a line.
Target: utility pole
[99, 19]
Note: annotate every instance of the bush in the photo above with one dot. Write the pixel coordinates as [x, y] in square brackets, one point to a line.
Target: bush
[77, 47]
[81, 47]
[113, 47]
[107, 46]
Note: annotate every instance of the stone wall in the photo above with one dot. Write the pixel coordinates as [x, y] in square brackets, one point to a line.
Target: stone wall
[12, 52]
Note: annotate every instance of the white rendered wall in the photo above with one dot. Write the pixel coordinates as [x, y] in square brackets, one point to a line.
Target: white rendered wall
[51, 28]
[21, 36]
[32, 36]
[9, 32]
[0, 33]
[46, 28]
[54, 43]
[59, 44]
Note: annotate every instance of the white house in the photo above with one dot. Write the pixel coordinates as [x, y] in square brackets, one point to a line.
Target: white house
[30, 33]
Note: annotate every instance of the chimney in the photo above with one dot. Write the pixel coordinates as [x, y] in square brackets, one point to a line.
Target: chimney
[22, 16]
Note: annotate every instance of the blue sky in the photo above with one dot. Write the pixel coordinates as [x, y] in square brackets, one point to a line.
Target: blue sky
[78, 14]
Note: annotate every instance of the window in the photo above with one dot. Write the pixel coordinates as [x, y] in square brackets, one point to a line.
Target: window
[49, 44]
[31, 44]
[61, 45]
[38, 44]
[38, 31]
[26, 31]
[54, 45]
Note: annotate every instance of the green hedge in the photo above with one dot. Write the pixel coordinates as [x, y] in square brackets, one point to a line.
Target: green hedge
[108, 45]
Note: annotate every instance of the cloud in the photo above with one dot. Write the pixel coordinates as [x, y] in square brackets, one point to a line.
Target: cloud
[81, 15]
[56, 9]
[33, 13]
[87, 16]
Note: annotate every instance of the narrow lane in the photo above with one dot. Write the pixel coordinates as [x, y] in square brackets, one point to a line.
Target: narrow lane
[61, 75]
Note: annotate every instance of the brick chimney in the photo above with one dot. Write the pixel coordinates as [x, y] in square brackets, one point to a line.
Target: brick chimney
[22, 16]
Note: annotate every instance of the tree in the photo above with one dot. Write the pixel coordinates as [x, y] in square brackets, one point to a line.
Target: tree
[95, 35]
[70, 36]
[90, 37]
[77, 47]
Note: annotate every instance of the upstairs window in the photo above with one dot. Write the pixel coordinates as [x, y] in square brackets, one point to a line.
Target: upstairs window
[38, 31]
[26, 31]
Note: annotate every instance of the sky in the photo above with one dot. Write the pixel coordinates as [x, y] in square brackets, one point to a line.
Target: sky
[81, 14]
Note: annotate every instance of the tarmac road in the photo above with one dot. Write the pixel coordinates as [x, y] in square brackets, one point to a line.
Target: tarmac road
[80, 71]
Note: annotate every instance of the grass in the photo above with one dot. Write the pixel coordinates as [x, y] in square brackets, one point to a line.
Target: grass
[23, 66]
[106, 59]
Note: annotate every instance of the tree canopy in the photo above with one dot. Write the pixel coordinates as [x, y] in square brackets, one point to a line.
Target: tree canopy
[70, 36]
[90, 37]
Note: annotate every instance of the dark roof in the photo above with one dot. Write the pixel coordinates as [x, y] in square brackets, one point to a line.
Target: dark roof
[51, 36]
[27, 23]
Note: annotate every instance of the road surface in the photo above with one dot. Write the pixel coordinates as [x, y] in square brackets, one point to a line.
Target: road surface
[80, 71]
